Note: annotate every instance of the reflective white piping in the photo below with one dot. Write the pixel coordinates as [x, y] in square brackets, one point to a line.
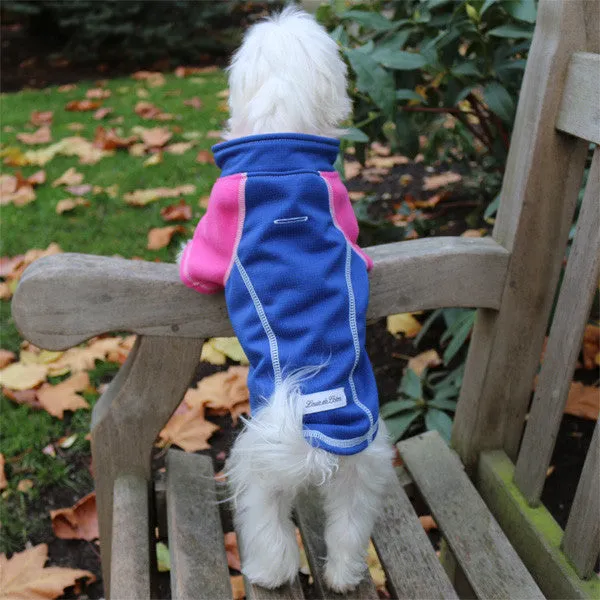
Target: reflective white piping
[264, 321]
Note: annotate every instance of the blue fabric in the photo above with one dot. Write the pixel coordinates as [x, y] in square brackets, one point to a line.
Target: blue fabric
[298, 292]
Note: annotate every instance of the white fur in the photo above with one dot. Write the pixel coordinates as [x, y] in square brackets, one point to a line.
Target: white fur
[288, 77]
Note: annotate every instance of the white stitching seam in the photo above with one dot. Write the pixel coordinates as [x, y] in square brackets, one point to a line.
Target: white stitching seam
[264, 321]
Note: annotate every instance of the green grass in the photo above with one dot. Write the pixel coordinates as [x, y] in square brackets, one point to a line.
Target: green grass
[108, 227]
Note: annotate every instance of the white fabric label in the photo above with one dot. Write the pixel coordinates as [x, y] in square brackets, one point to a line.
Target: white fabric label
[321, 401]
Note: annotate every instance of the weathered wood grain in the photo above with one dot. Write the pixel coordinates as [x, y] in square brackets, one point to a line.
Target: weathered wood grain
[582, 534]
[490, 563]
[131, 539]
[67, 298]
[570, 317]
[285, 592]
[196, 544]
[311, 521]
[411, 566]
[539, 193]
[129, 415]
[580, 109]
[533, 532]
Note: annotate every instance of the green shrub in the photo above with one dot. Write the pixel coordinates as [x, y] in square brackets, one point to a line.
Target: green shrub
[135, 29]
[450, 71]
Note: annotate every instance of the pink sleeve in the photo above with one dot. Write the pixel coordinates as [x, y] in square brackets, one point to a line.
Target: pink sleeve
[343, 213]
[207, 259]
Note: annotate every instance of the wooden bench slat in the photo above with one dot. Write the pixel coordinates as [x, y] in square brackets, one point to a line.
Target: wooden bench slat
[533, 531]
[285, 592]
[130, 561]
[582, 534]
[196, 543]
[570, 317]
[579, 112]
[490, 563]
[311, 521]
[411, 566]
[65, 299]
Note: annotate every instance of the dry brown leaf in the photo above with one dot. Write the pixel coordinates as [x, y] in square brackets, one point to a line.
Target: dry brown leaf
[220, 392]
[473, 233]
[160, 237]
[103, 112]
[55, 399]
[431, 202]
[152, 78]
[155, 137]
[205, 157]
[176, 212]
[39, 118]
[189, 430]
[194, 102]
[591, 346]
[69, 177]
[233, 554]
[24, 485]
[28, 397]
[76, 126]
[355, 196]
[41, 136]
[69, 146]
[68, 87]
[179, 147]
[147, 110]
[429, 358]
[154, 159]
[428, 523]
[214, 135]
[79, 190]
[6, 357]
[37, 178]
[403, 323]
[583, 401]
[386, 162]
[23, 576]
[109, 139]
[82, 105]
[79, 522]
[83, 358]
[237, 587]
[143, 197]
[187, 71]
[437, 181]
[97, 94]
[19, 376]
[380, 149]
[352, 168]
[69, 204]
[3, 480]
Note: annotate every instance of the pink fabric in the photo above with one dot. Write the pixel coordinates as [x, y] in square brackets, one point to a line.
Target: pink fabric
[343, 213]
[208, 257]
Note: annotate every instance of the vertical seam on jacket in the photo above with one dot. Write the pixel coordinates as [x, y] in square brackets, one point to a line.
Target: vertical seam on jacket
[240, 227]
[264, 321]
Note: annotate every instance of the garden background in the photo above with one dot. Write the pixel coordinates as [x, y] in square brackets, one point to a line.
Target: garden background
[109, 110]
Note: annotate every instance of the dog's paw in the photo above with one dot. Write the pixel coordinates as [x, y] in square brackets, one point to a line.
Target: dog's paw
[343, 576]
[273, 566]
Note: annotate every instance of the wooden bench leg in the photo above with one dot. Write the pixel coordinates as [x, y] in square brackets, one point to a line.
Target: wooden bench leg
[129, 416]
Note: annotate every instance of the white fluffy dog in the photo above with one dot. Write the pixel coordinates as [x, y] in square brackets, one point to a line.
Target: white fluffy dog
[288, 78]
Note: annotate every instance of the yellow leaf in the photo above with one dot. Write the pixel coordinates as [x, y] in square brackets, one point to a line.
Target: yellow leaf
[403, 323]
[212, 356]
[69, 177]
[189, 430]
[230, 347]
[69, 204]
[155, 159]
[375, 568]
[19, 376]
[55, 399]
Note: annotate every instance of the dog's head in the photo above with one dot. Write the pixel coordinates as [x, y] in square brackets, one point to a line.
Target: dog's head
[287, 77]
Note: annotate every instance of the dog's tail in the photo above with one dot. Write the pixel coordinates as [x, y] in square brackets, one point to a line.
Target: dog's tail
[272, 444]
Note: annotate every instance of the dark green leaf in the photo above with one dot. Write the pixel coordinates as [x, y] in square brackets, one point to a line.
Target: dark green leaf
[372, 20]
[439, 421]
[355, 135]
[406, 136]
[465, 69]
[411, 385]
[499, 101]
[459, 338]
[396, 406]
[492, 208]
[443, 404]
[408, 95]
[486, 5]
[426, 325]
[522, 10]
[516, 32]
[398, 59]
[398, 426]
[372, 79]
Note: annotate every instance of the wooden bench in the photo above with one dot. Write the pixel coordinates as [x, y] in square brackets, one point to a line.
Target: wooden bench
[498, 541]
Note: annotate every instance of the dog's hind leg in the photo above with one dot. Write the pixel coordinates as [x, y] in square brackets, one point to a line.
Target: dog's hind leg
[353, 499]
